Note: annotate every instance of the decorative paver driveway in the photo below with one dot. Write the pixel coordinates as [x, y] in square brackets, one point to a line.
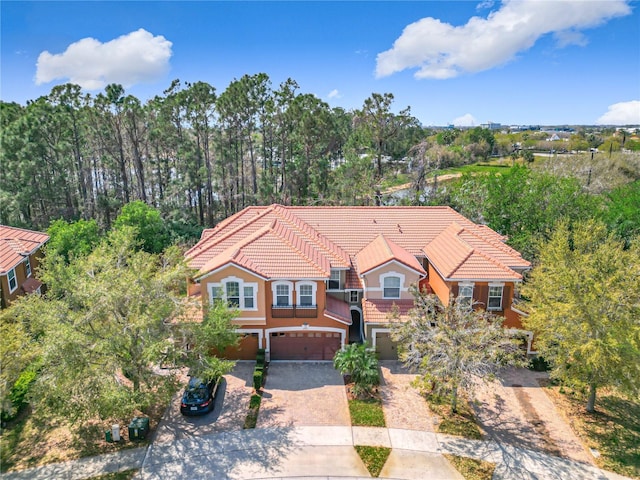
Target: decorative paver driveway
[402, 404]
[229, 413]
[516, 410]
[303, 394]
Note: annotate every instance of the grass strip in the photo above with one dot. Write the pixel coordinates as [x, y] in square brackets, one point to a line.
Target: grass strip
[251, 419]
[470, 468]
[366, 413]
[374, 458]
[461, 423]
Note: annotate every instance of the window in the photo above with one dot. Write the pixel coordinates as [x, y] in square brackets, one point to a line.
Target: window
[354, 296]
[495, 297]
[465, 294]
[13, 282]
[27, 267]
[305, 295]
[391, 286]
[233, 293]
[282, 295]
[334, 282]
[216, 293]
[248, 298]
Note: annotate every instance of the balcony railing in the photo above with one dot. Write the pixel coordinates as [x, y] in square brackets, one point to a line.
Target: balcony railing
[291, 311]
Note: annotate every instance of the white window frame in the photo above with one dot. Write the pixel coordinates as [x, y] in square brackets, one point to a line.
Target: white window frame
[10, 278]
[222, 285]
[314, 288]
[332, 278]
[400, 287]
[274, 291]
[466, 285]
[27, 266]
[357, 294]
[489, 296]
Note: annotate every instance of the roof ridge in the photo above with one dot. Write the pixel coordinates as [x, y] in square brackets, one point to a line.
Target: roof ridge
[334, 250]
[286, 234]
[209, 243]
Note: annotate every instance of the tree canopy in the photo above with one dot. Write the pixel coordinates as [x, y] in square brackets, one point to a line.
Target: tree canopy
[584, 306]
[453, 346]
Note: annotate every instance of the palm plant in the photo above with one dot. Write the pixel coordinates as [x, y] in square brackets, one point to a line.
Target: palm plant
[360, 363]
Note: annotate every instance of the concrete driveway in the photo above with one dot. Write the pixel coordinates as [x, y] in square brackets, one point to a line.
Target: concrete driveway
[229, 413]
[303, 394]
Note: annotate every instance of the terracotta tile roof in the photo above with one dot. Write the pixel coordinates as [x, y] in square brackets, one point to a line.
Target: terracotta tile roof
[30, 285]
[16, 244]
[338, 308]
[262, 239]
[457, 255]
[382, 251]
[380, 311]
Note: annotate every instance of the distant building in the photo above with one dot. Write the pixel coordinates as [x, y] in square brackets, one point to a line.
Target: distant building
[491, 126]
[20, 254]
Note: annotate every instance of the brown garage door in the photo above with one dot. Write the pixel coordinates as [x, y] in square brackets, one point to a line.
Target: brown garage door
[385, 347]
[247, 348]
[304, 345]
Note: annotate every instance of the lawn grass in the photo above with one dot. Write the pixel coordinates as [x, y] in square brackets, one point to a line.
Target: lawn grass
[35, 439]
[613, 430]
[472, 469]
[374, 458]
[462, 423]
[366, 413]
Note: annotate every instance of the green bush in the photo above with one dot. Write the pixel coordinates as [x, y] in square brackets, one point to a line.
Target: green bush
[18, 394]
[255, 401]
[258, 376]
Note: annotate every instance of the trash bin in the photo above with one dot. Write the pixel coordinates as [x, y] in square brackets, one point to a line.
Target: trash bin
[107, 436]
[115, 431]
[138, 428]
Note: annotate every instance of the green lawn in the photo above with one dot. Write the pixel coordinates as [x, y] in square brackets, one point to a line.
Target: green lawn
[374, 458]
[613, 430]
[462, 423]
[472, 469]
[366, 413]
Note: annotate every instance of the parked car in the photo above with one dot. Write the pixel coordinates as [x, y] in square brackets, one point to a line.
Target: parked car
[199, 396]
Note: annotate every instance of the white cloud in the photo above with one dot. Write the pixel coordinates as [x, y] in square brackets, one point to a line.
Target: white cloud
[334, 94]
[440, 50]
[623, 113]
[466, 120]
[137, 57]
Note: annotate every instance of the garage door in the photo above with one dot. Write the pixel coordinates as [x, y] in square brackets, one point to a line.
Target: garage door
[247, 348]
[385, 347]
[304, 345]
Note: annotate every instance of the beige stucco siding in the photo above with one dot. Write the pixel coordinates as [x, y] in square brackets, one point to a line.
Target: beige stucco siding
[373, 280]
[256, 316]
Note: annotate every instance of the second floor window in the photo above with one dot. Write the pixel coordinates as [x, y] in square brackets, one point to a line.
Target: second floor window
[13, 281]
[391, 287]
[233, 293]
[465, 294]
[495, 297]
[334, 282]
[282, 295]
[27, 267]
[306, 295]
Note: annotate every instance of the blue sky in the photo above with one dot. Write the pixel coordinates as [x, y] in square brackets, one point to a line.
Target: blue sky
[513, 62]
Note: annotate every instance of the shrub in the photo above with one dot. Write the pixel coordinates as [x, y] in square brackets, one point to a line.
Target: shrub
[258, 376]
[18, 394]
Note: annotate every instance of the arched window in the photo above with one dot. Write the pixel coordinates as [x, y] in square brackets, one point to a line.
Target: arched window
[282, 293]
[306, 294]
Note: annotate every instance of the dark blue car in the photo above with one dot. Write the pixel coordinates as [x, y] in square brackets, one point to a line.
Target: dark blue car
[198, 397]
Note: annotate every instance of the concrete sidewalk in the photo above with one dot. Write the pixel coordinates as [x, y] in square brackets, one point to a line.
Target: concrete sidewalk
[316, 452]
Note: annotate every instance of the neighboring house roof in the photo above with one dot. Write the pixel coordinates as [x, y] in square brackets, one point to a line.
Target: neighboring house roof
[16, 244]
[382, 251]
[293, 242]
[381, 311]
[459, 253]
